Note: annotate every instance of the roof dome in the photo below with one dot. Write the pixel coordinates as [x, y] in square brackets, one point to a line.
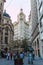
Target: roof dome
[5, 14]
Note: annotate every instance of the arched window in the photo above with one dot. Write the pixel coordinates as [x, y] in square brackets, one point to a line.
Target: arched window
[6, 31]
[0, 18]
[37, 43]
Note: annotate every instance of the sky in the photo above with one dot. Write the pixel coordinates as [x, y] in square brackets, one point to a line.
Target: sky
[13, 7]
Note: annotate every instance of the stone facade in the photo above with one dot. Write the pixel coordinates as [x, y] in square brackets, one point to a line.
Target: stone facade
[6, 28]
[1, 18]
[30, 29]
[21, 28]
[7, 31]
[35, 27]
[40, 21]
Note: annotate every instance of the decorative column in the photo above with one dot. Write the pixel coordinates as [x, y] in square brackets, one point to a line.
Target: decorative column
[8, 37]
[3, 36]
[37, 47]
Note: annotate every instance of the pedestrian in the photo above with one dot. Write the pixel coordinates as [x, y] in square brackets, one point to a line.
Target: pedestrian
[11, 55]
[30, 58]
[33, 55]
[17, 55]
[21, 57]
[14, 55]
[8, 55]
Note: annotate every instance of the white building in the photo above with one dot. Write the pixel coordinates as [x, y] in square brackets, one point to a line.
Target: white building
[40, 21]
[21, 27]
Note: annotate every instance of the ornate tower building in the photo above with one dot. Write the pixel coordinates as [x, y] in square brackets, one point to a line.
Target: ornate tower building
[1, 18]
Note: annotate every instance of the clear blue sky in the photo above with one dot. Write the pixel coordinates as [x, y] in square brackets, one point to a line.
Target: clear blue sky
[13, 8]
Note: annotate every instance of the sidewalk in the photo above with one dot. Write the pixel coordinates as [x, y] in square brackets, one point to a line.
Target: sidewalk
[38, 58]
[6, 62]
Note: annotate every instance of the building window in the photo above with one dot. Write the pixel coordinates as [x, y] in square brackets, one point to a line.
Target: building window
[7, 21]
[0, 29]
[37, 43]
[42, 49]
[6, 40]
[39, 1]
[1, 39]
[40, 10]
[0, 18]
[21, 19]
[41, 22]
[6, 31]
[1, 4]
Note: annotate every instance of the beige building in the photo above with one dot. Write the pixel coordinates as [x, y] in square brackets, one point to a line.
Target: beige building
[35, 28]
[21, 28]
[40, 21]
[1, 18]
[6, 28]
[7, 31]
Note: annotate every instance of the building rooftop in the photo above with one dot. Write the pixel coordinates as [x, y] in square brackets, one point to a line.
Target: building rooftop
[6, 14]
[21, 12]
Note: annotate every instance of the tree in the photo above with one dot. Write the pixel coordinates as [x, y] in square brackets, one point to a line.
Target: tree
[24, 45]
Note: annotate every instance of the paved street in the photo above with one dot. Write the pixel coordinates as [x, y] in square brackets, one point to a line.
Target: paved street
[9, 62]
[36, 62]
[6, 62]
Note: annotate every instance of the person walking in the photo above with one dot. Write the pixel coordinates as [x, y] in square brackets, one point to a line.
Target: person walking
[14, 55]
[30, 58]
[11, 55]
[21, 56]
[8, 55]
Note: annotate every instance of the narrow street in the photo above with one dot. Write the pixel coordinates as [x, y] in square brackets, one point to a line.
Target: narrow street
[6, 62]
[11, 62]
